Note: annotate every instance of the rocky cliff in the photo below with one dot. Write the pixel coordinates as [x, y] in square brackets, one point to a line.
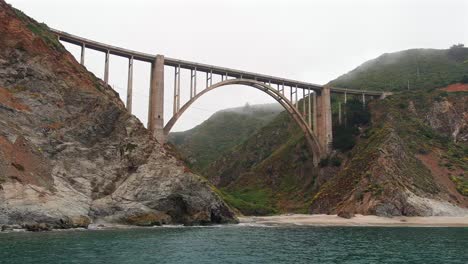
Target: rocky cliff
[70, 154]
[412, 161]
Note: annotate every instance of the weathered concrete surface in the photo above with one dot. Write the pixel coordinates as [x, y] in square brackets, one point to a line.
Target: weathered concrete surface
[70, 153]
[324, 120]
[156, 100]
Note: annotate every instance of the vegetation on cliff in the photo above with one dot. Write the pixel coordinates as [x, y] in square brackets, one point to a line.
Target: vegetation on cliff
[401, 156]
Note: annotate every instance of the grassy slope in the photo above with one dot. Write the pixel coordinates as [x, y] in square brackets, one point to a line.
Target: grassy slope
[423, 68]
[247, 169]
[223, 130]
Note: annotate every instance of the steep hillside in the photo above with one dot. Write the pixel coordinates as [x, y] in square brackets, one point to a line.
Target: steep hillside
[418, 68]
[70, 154]
[268, 173]
[223, 130]
[271, 171]
[413, 161]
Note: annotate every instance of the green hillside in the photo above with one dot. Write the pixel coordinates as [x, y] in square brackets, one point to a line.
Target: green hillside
[411, 150]
[420, 68]
[223, 130]
[271, 171]
[265, 169]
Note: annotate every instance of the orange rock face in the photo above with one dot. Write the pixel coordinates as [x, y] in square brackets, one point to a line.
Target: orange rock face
[457, 87]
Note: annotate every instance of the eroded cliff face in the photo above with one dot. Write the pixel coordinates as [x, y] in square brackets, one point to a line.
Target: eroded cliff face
[70, 154]
[449, 117]
[411, 162]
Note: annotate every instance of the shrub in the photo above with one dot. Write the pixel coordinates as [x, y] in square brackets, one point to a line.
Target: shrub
[423, 151]
[324, 162]
[402, 105]
[335, 161]
[344, 137]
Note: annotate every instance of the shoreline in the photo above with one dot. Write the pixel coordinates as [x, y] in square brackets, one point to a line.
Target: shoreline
[357, 220]
[292, 220]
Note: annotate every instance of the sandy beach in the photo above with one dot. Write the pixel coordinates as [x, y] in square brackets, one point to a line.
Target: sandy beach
[357, 220]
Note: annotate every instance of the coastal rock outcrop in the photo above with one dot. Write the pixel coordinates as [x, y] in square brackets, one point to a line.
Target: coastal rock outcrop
[70, 153]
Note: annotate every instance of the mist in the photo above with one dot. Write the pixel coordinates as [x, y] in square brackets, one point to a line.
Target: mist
[313, 41]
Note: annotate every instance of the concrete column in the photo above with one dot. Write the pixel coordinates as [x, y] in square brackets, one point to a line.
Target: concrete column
[176, 90]
[363, 101]
[82, 60]
[345, 109]
[296, 104]
[339, 113]
[324, 120]
[193, 83]
[309, 112]
[156, 100]
[209, 79]
[106, 68]
[291, 96]
[314, 112]
[303, 103]
[130, 84]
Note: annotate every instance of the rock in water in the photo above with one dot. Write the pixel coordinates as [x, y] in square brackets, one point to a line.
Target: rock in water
[71, 154]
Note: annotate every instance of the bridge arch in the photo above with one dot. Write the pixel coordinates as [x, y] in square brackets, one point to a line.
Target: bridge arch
[310, 136]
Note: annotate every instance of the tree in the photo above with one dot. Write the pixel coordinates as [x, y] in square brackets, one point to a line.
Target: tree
[458, 52]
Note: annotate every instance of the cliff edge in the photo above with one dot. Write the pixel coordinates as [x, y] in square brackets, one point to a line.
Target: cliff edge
[70, 153]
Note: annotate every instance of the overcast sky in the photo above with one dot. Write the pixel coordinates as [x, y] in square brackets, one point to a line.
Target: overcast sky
[313, 41]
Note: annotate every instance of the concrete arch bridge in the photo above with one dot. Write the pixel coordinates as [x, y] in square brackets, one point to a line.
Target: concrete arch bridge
[315, 119]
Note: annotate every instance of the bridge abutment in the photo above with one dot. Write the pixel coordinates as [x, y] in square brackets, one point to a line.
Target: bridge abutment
[324, 121]
[156, 100]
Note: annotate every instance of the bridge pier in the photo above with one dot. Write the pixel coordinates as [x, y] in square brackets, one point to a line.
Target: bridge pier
[130, 85]
[82, 58]
[156, 100]
[106, 68]
[324, 121]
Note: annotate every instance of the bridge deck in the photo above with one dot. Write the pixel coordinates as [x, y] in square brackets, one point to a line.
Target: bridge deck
[91, 44]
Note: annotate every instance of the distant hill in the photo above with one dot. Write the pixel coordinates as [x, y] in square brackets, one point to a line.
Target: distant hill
[418, 68]
[223, 130]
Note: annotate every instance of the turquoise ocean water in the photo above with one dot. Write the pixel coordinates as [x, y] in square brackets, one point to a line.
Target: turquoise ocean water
[239, 244]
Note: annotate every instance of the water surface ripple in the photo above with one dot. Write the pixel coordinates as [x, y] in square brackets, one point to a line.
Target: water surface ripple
[239, 244]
